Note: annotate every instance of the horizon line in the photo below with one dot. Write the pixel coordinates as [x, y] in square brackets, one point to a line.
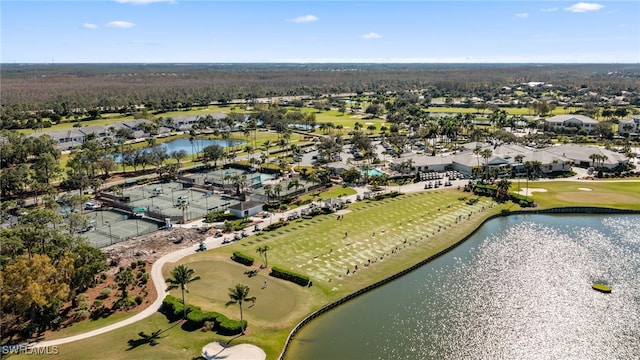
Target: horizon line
[318, 62]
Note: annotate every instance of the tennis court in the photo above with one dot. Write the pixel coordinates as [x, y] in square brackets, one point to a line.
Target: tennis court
[112, 226]
[175, 201]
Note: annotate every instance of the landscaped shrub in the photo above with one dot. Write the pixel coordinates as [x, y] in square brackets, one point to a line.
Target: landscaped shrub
[172, 308]
[241, 224]
[125, 304]
[242, 258]
[139, 299]
[218, 217]
[283, 274]
[383, 196]
[485, 190]
[231, 327]
[105, 293]
[276, 225]
[198, 317]
[521, 200]
[143, 279]
[80, 315]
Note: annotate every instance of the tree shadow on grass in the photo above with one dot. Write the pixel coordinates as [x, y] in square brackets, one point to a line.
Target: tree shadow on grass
[151, 339]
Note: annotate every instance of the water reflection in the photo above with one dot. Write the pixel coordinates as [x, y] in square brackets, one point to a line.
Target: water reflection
[520, 288]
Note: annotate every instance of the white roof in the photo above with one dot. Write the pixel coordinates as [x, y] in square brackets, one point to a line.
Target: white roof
[562, 118]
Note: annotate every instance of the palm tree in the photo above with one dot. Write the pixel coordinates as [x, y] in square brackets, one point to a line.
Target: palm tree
[519, 158]
[593, 158]
[295, 184]
[237, 295]
[180, 277]
[277, 189]
[262, 250]
[268, 191]
[183, 206]
[486, 154]
[503, 189]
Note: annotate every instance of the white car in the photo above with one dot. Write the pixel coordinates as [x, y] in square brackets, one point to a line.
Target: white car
[91, 206]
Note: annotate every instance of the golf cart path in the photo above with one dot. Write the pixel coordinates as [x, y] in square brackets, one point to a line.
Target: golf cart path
[159, 284]
[210, 242]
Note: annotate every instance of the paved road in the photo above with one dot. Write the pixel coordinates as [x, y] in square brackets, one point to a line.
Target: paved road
[160, 284]
[210, 242]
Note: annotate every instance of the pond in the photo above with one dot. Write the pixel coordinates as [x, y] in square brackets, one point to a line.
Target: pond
[198, 144]
[185, 144]
[520, 288]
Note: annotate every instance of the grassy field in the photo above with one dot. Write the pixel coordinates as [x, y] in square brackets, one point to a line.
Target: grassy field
[598, 193]
[380, 237]
[418, 225]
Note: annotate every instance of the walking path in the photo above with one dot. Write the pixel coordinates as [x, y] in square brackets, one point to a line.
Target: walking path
[210, 243]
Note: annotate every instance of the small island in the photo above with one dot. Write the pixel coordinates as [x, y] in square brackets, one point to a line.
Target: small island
[601, 287]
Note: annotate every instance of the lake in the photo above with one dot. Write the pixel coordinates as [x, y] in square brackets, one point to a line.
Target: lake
[198, 144]
[519, 288]
[185, 144]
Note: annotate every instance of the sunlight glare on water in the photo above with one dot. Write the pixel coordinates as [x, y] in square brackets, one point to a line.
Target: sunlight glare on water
[523, 292]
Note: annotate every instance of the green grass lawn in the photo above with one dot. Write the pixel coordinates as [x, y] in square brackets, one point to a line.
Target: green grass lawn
[388, 236]
[334, 191]
[598, 193]
[134, 342]
[84, 326]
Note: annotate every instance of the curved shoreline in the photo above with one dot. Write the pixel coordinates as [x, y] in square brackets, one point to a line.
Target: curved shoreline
[158, 280]
[560, 210]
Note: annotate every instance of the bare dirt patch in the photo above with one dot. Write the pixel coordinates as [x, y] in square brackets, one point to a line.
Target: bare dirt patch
[152, 246]
[585, 189]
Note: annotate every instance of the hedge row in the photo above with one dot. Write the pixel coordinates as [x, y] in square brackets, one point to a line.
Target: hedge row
[522, 200]
[242, 258]
[299, 279]
[276, 225]
[383, 196]
[219, 216]
[172, 306]
[487, 190]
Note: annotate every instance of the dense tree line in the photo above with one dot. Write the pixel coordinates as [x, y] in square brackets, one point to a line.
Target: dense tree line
[43, 265]
[32, 93]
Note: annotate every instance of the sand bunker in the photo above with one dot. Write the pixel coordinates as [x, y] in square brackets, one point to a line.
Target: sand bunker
[215, 350]
[529, 191]
[585, 189]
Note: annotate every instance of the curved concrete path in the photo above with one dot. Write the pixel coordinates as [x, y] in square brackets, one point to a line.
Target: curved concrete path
[210, 242]
[159, 284]
[172, 257]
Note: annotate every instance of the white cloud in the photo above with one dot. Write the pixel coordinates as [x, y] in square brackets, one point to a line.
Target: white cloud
[120, 24]
[305, 19]
[142, 2]
[549, 9]
[584, 7]
[89, 26]
[370, 36]
[522, 15]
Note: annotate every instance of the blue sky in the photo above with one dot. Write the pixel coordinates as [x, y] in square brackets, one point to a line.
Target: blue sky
[187, 31]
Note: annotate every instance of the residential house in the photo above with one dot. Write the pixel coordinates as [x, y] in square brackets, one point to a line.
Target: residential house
[631, 126]
[560, 122]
